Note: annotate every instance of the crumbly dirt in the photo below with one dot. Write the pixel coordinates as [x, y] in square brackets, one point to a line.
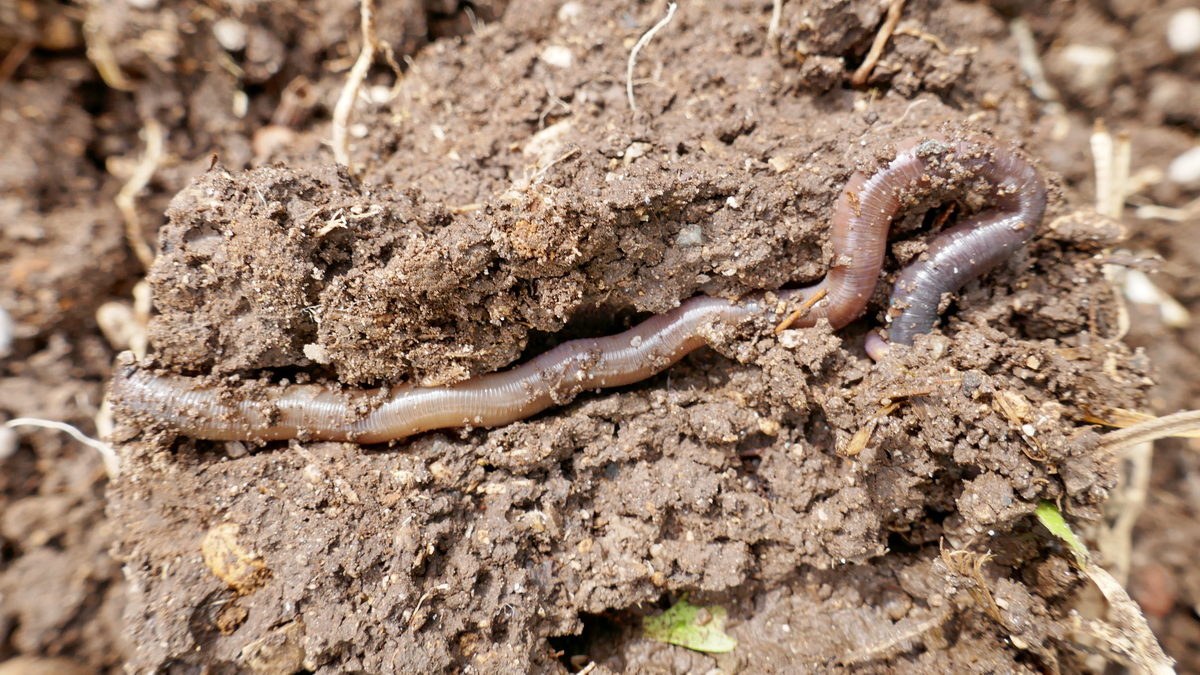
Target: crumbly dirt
[505, 198]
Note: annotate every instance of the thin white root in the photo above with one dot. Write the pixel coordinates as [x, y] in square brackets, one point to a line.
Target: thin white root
[773, 27]
[127, 198]
[112, 465]
[633, 54]
[358, 73]
[1112, 156]
[1031, 63]
[100, 53]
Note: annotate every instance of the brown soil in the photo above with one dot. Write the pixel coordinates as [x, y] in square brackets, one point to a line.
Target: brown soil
[505, 198]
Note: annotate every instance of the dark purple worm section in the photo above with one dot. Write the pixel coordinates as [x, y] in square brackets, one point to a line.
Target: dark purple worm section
[931, 168]
[974, 245]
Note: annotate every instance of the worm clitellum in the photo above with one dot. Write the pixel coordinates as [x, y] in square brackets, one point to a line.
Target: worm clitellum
[923, 169]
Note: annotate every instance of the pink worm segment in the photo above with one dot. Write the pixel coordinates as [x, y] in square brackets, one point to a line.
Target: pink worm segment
[860, 227]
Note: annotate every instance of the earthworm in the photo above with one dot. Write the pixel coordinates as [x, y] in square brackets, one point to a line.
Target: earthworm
[927, 168]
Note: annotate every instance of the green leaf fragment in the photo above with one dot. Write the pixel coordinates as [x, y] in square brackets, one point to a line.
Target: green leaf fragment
[699, 628]
[1053, 520]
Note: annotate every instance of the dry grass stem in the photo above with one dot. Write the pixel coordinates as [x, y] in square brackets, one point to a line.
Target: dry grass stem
[1117, 442]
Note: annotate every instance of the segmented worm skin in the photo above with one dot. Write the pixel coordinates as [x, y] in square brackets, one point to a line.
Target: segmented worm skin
[974, 245]
[865, 210]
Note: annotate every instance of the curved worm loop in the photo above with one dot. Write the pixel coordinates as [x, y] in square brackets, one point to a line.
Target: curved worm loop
[866, 207]
[1017, 195]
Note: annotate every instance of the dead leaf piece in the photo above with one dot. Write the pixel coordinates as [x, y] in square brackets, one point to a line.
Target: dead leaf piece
[243, 570]
[863, 436]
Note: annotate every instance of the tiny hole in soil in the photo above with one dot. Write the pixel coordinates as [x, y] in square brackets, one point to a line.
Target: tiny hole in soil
[567, 466]
[898, 543]
[599, 631]
[8, 552]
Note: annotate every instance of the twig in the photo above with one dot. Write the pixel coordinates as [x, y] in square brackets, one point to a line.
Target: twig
[859, 78]
[127, 198]
[799, 311]
[1116, 442]
[1122, 161]
[773, 27]
[358, 73]
[112, 465]
[633, 54]
[922, 35]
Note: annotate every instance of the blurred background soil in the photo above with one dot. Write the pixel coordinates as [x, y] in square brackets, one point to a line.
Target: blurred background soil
[502, 197]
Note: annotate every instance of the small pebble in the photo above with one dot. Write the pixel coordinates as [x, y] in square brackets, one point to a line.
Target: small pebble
[569, 12]
[117, 322]
[230, 34]
[1183, 31]
[1185, 169]
[235, 449]
[634, 151]
[557, 56]
[791, 339]
[1091, 66]
[689, 235]
[317, 353]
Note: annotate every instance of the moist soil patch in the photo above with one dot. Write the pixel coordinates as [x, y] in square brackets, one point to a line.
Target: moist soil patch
[504, 197]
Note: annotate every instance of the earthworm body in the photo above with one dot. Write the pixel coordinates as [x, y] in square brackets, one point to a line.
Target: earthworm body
[923, 169]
